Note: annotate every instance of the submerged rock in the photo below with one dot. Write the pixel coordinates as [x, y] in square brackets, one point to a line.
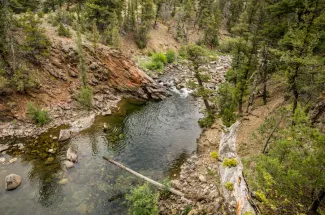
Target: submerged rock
[64, 135]
[12, 181]
[68, 164]
[72, 155]
[49, 161]
[13, 160]
[2, 160]
[63, 181]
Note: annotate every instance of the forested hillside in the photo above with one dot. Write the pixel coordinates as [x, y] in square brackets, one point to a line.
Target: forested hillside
[77, 52]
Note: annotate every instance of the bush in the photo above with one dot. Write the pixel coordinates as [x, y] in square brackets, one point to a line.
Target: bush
[229, 162]
[63, 31]
[159, 57]
[40, 14]
[156, 66]
[207, 121]
[171, 56]
[143, 201]
[40, 117]
[214, 155]
[85, 97]
[229, 186]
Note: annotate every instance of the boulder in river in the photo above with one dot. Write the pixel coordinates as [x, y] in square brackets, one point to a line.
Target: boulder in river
[68, 164]
[64, 135]
[12, 181]
[2, 160]
[72, 155]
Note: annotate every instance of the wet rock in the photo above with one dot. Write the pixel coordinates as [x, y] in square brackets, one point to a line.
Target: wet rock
[49, 161]
[64, 135]
[63, 181]
[12, 181]
[13, 160]
[4, 148]
[2, 160]
[72, 155]
[68, 164]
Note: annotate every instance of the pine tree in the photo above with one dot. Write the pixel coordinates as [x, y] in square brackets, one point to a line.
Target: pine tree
[147, 16]
[95, 36]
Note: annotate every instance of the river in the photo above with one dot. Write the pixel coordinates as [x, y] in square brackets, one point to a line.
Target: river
[153, 139]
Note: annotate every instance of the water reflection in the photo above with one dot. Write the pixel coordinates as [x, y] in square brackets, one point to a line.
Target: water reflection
[153, 139]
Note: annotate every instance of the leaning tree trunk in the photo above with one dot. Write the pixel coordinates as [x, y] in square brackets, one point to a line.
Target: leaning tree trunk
[316, 203]
[238, 200]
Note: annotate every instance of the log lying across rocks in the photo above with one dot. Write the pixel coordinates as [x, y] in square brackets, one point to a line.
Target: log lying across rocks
[238, 199]
[155, 183]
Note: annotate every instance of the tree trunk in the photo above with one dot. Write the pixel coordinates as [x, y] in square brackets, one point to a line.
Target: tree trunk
[252, 96]
[313, 209]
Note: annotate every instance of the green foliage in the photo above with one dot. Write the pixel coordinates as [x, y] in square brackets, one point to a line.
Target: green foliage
[36, 114]
[22, 80]
[207, 121]
[292, 168]
[143, 201]
[165, 192]
[64, 31]
[155, 66]
[214, 155]
[40, 14]
[36, 44]
[229, 162]
[249, 213]
[85, 97]
[227, 103]
[229, 186]
[159, 57]
[171, 56]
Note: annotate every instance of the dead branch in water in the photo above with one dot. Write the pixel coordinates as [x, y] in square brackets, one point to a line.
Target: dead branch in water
[155, 183]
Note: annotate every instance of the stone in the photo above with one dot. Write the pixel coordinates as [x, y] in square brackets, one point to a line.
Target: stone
[63, 181]
[107, 113]
[4, 148]
[49, 161]
[64, 135]
[202, 179]
[68, 164]
[72, 155]
[12, 181]
[2, 160]
[13, 160]
[51, 151]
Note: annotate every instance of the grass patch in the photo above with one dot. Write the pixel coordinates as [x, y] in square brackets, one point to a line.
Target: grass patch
[229, 186]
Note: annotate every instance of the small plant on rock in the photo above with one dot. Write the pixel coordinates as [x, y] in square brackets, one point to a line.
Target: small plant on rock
[229, 186]
[229, 162]
[85, 97]
[171, 56]
[214, 155]
[63, 31]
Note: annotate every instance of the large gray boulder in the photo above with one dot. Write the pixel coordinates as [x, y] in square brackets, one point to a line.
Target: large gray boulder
[64, 135]
[12, 181]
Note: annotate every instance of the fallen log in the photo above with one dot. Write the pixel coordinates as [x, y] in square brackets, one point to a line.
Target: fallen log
[155, 183]
[238, 198]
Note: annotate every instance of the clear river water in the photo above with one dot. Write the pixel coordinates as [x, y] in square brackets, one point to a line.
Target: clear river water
[153, 139]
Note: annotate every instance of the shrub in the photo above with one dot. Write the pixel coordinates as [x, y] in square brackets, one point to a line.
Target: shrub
[207, 121]
[229, 162]
[214, 155]
[85, 97]
[171, 56]
[159, 57]
[229, 186]
[40, 14]
[143, 201]
[63, 31]
[40, 117]
[155, 66]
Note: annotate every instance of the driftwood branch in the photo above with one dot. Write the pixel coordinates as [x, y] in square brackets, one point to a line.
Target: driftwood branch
[155, 183]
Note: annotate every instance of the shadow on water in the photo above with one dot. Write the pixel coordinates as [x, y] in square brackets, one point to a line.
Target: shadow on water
[153, 139]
